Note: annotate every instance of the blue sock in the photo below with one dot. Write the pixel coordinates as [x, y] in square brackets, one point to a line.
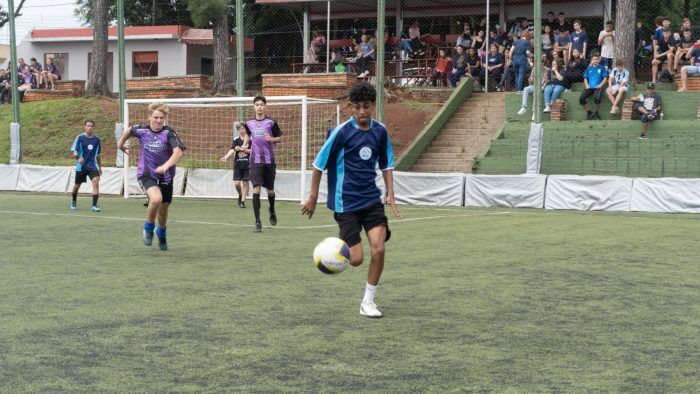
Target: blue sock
[149, 226]
[160, 232]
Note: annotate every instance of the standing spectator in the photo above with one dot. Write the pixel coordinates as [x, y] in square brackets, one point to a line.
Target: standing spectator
[51, 74]
[649, 108]
[662, 23]
[639, 44]
[548, 41]
[663, 52]
[579, 39]
[494, 63]
[555, 84]
[683, 46]
[606, 40]
[595, 79]
[36, 70]
[365, 55]
[617, 85]
[692, 69]
[518, 55]
[562, 46]
[551, 21]
[574, 72]
[318, 45]
[562, 24]
[441, 68]
[459, 66]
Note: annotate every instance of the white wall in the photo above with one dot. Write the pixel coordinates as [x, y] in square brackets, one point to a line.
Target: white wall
[172, 56]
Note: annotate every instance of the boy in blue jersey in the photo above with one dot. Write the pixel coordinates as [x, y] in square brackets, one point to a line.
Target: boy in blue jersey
[595, 79]
[86, 151]
[351, 154]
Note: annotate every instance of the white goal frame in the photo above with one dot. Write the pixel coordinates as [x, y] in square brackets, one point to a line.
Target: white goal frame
[303, 101]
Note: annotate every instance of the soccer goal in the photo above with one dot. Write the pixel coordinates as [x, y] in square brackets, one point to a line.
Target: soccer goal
[205, 126]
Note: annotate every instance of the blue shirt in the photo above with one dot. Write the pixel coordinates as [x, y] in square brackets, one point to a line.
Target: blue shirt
[521, 46]
[351, 156]
[88, 148]
[577, 41]
[562, 42]
[595, 75]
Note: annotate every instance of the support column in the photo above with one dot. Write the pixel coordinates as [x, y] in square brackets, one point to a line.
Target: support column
[328, 36]
[306, 31]
[380, 59]
[15, 151]
[502, 15]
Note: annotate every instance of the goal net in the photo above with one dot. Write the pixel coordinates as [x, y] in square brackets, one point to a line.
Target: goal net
[205, 127]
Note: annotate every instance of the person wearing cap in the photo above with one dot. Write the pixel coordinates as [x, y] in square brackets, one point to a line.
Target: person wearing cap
[649, 108]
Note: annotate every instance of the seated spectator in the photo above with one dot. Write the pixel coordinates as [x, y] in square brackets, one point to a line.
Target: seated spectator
[459, 66]
[562, 46]
[494, 38]
[639, 44]
[518, 55]
[662, 23]
[683, 46]
[412, 43]
[4, 84]
[51, 74]
[365, 55]
[442, 65]
[473, 63]
[530, 89]
[595, 79]
[36, 70]
[479, 43]
[465, 39]
[555, 84]
[548, 41]
[20, 65]
[579, 39]
[663, 52]
[606, 40]
[692, 69]
[649, 108]
[516, 30]
[574, 72]
[338, 61]
[617, 85]
[494, 62]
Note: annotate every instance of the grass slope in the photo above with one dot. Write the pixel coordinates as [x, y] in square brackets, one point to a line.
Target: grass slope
[475, 300]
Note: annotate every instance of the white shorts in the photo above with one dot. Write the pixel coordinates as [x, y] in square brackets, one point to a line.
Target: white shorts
[692, 70]
[615, 88]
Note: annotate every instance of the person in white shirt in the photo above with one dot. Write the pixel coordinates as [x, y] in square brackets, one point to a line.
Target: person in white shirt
[606, 40]
[618, 84]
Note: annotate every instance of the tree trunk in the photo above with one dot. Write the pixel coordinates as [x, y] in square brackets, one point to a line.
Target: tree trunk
[223, 73]
[626, 12]
[97, 79]
[686, 9]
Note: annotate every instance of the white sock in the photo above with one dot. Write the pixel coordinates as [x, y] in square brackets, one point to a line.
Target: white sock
[370, 291]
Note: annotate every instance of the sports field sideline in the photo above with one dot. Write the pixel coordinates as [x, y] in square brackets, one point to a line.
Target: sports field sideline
[474, 300]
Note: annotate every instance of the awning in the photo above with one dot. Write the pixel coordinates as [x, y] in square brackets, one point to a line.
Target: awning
[206, 37]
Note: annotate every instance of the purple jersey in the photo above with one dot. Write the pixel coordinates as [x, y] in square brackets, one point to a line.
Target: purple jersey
[261, 150]
[156, 149]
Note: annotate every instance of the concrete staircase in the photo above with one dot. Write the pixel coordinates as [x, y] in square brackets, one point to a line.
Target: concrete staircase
[465, 136]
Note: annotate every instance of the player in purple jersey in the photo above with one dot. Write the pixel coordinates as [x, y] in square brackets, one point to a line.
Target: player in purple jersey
[264, 135]
[160, 150]
[351, 154]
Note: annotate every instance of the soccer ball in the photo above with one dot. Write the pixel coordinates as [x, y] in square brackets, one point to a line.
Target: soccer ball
[332, 255]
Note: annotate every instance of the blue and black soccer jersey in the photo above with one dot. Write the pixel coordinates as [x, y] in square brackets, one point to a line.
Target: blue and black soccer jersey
[351, 156]
[88, 148]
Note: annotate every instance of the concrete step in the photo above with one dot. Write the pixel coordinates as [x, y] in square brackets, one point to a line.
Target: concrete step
[441, 169]
[445, 149]
[429, 155]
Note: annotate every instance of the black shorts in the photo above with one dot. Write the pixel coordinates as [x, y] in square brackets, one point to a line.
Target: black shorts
[241, 174]
[351, 223]
[596, 93]
[166, 189]
[81, 176]
[263, 175]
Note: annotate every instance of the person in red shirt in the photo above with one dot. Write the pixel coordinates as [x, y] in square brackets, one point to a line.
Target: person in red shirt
[442, 66]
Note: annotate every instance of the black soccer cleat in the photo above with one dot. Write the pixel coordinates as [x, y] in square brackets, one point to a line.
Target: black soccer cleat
[163, 243]
[273, 217]
[258, 227]
[242, 204]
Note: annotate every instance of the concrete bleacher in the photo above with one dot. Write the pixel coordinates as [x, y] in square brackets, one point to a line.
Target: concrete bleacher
[607, 147]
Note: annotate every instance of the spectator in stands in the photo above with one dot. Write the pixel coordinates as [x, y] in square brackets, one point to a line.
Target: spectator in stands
[4, 84]
[494, 62]
[26, 82]
[442, 65]
[551, 21]
[662, 23]
[20, 65]
[494, 38]
[692, 69]
[618, 84]
[548, 41]
[318, 44]
[51, 74]
[555, 84]
[683, 46]
[338, 61]
[413, 42]
[574, 72]
[465, 39]
[663, 52]
[459, 66]
[639, 44]
[516, 31]
[530, 89]
[36, 70]
[562, 46]
[649, 108]
[562, 24]
[479, 43]
[518, 55]
[579, 39]
[473, 63]
[606, 40]
[365, 55]
[594, 79]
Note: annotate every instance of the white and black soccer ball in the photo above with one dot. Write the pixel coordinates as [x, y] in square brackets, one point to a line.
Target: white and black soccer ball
[332, 255]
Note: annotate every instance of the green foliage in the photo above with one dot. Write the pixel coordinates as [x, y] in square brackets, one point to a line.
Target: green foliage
[205, 11]
[141, 12]
[533, 302]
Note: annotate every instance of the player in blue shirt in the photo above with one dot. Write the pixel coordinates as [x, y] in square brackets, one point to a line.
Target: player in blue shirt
[351, 154]
[595, 79]
[86, 151]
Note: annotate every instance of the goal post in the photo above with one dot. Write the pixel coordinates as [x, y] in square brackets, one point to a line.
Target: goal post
[205, 127]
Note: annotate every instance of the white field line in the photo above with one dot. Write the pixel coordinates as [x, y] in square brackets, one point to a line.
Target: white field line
[98, 216]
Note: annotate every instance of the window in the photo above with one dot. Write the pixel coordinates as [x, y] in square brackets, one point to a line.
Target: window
[207, 66]
[145, 64]
[60, 60]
